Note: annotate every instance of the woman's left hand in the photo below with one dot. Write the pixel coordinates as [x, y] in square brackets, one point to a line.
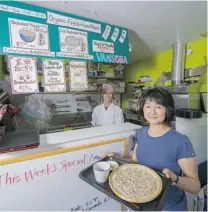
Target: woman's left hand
[169, 174]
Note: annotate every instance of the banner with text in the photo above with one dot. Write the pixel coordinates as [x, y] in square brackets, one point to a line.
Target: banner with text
[28, 30]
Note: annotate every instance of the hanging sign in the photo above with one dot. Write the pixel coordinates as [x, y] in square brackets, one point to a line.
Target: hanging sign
[54, 76]
[23, 75]
[29, 30]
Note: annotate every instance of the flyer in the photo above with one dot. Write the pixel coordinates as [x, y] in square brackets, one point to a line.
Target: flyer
[123, 36]
[54, 76]
[107, 31]
[23, 74]
[73, 41]
[115, 34]
[78, 75]
[29, 35]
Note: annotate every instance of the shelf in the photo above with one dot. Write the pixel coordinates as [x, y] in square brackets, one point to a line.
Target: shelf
[73, 92]
[103, 77]
[92, 77]
[139, 84]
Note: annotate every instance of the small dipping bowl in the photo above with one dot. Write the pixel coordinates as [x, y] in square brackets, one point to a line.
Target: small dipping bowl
[113, 164]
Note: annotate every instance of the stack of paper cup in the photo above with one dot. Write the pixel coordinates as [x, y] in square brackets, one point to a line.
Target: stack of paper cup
[101, 171]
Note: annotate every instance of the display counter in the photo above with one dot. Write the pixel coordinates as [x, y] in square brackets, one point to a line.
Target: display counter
[47, 178]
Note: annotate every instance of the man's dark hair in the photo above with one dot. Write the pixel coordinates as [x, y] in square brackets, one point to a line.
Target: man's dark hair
[162, 97]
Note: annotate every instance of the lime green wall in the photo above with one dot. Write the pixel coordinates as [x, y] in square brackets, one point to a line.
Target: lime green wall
[161, 62]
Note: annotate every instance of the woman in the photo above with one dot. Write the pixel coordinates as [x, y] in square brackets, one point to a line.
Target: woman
[107, 113]
[160, 147]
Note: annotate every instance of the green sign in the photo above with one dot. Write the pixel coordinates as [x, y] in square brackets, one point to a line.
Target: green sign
[29, 30]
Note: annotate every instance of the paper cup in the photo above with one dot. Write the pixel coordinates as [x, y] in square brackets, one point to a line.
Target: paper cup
[101, 171]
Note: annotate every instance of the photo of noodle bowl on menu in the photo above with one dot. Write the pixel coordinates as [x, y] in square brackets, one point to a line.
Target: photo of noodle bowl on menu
[73, 41]
[30, 35]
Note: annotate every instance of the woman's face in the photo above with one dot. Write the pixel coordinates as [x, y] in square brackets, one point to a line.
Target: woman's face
[154, 113]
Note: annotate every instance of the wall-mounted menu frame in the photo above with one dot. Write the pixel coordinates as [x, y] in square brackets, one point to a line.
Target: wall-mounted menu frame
[23, 75]
[28, 30]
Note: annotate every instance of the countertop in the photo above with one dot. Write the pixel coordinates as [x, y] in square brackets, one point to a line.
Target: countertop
[60, 140]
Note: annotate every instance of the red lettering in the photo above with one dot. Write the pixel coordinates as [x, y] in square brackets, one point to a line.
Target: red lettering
[65, 165]
[81, 161]
[9, 180]
[17, 179]
[30, 175]
[39, 173]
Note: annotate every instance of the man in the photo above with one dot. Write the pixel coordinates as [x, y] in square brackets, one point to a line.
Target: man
[107, 113]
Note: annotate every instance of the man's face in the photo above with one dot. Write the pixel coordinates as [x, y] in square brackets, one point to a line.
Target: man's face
[108, 97]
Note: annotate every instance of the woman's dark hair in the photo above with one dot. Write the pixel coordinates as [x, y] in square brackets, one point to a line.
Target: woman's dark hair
[162, 97]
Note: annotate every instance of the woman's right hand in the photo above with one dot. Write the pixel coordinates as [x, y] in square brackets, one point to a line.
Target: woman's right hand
[110, 154]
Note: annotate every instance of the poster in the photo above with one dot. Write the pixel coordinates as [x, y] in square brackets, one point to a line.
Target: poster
[54, 76]
[21, 11]
[101, 46]
[107, 31]
[29, 35]
[78, 75]
[123, 36]
[73, 41]
[115, 34]
[23, 75]
[68, 21]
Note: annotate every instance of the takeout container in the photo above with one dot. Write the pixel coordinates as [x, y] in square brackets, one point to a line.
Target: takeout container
[157, 204]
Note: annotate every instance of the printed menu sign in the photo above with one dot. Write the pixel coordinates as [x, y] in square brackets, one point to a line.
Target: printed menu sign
[101, 46]
[23, 75]
[73, 41]
[29, 35]
[54, 79]
[78, 75]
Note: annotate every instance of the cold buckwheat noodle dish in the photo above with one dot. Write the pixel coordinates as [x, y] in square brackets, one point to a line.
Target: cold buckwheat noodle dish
[135, 183]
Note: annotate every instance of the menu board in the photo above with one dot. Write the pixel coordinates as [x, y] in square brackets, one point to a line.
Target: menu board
[23, 75]
[78, 75]
[54, 76]
[28, 30]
